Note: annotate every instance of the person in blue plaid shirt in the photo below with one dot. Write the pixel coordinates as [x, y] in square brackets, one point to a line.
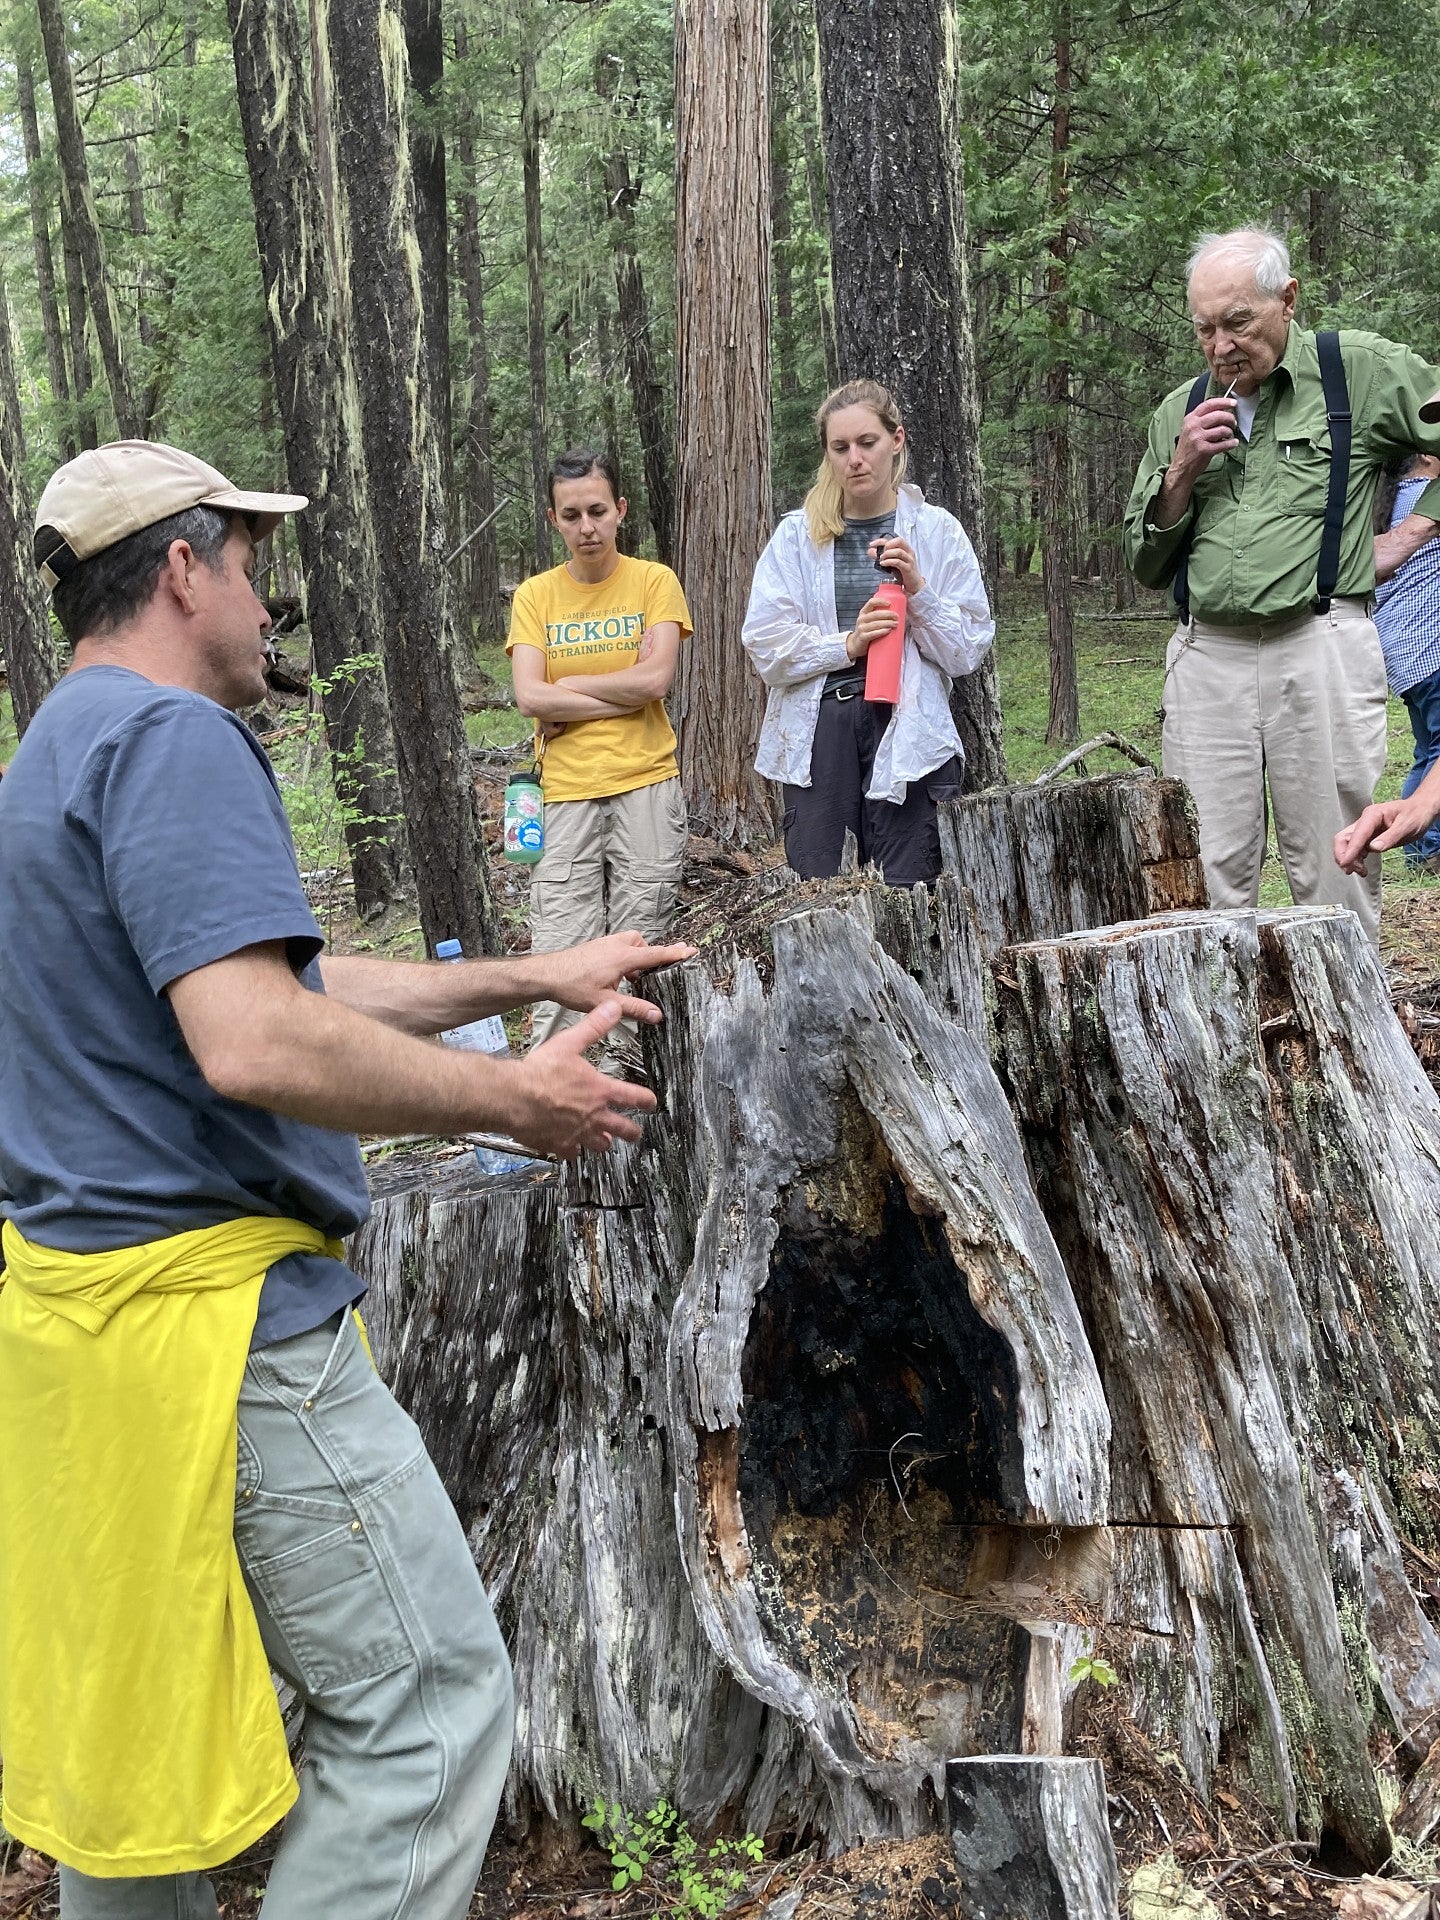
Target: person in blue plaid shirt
[1407, 616]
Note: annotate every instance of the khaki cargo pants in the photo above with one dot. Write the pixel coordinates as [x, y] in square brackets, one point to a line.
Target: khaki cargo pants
[1296, 707]
[609, 865]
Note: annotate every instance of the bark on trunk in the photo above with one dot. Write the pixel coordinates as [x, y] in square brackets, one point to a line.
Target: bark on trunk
[990, 1289]
[320, 417]
[31, 663]
[44, 257]
[70, 140]
[646, 395]
[898, 257]
[1063, 724]
[81, 379]
[722, 341]
[535, 312]
[483, 553]
[363, 51]
[425, 43]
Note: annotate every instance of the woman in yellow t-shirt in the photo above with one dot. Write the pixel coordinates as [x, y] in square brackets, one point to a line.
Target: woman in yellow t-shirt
[593, 648]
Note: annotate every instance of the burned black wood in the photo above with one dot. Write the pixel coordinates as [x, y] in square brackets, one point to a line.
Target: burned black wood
[1031, 1839]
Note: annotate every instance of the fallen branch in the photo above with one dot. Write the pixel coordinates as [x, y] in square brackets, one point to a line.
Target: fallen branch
[1117, 741]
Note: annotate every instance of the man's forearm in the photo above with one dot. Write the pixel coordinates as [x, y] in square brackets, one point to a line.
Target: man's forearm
[1402, 543]
[1172, 500]
[425, 997]
[258, 1036]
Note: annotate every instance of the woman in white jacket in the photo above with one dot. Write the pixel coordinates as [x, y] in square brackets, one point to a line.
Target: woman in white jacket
[845, 761]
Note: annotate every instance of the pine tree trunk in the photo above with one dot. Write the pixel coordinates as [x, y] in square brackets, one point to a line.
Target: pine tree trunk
[535, 312]
[722, 340]
[646, 395]
[425, 43]
[898, 256]
[44, 258]
[483, 553]
[70, 140]
[76, 307]
[31, 662]
[1063, 725]
[986, 1292]
[363, 50]
[320, 417]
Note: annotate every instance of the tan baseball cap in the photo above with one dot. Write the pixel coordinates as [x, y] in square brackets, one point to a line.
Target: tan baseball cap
[1431, 409]
[107, 493]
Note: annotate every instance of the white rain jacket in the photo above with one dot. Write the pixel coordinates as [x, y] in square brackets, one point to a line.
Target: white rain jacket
[791, 637]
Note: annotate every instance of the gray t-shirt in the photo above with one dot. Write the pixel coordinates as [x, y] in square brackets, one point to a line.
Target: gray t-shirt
[142, 835]
[856, 580]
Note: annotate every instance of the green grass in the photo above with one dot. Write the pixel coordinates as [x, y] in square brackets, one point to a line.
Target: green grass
[8, 741]
[1120, 665]
[501, 726]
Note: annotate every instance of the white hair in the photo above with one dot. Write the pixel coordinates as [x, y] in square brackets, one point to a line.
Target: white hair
[1263, 251]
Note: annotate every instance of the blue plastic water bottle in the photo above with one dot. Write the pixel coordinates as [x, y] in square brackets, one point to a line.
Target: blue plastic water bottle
[481, 1036]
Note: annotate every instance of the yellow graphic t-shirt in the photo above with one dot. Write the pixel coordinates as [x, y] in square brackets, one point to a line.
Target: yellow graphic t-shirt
[597, 629]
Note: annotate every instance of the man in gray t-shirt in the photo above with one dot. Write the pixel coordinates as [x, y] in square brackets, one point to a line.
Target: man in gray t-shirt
[176, 1053]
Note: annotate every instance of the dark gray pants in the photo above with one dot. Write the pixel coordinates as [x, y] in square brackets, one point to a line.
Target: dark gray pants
[902, 841]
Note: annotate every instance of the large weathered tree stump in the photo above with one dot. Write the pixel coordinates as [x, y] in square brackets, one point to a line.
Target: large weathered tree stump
[998, 1281]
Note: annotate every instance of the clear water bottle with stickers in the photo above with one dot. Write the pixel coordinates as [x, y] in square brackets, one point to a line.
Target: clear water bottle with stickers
[481, 1036]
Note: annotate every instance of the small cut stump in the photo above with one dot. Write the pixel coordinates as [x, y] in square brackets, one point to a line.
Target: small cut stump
[1038, 1265]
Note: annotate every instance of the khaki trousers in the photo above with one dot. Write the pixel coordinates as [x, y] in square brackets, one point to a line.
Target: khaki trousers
[609, 866]
[1296, 705]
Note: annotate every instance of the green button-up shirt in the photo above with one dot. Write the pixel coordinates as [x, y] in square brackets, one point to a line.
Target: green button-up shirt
[1256, 513]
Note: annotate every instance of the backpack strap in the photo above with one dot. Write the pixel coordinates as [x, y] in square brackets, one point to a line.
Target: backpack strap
[1337, 415]
[1182, 565]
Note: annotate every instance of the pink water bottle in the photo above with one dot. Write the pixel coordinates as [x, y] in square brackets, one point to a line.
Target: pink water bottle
[882, 662]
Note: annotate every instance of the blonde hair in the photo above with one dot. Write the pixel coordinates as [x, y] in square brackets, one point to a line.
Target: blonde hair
[825, 502]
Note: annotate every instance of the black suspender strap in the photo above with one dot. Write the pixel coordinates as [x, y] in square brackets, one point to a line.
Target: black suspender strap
[1182, 565]
[1337, 415]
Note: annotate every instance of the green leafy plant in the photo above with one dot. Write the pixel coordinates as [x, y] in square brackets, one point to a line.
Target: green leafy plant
[695, 1878]
[1090, 1666]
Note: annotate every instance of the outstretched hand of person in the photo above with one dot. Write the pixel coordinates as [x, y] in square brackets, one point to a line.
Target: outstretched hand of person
[1384, 824]
[563, 1105]
[581, 977]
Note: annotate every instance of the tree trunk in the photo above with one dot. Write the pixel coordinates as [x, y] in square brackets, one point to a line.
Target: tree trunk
[81, 380]
[984, 1300]
[483, 554]
[898, 256]
[535, 311]
[628, 535]
[1063, 726]
[425, 43]
[320, 416]
[44, 258]
[363, 50]
[31, 664]
[800, 43]
[70, 141]
[722, 342]
[646, 396]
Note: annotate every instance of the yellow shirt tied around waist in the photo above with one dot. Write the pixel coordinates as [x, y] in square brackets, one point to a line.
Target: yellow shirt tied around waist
[597, 629]
[139, 1727]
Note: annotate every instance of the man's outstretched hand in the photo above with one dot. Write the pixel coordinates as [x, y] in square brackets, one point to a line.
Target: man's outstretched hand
[563, 1105]
[1384, 824]
[581, 977]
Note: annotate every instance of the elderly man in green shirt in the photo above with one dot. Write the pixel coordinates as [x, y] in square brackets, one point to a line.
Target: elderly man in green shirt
[1265, 686]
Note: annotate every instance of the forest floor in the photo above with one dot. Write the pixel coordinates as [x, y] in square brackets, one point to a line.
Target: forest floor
[1179, 1857]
